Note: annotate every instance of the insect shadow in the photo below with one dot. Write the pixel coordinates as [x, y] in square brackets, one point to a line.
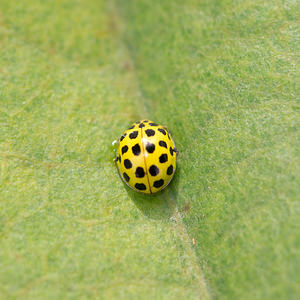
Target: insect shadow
[158, 206]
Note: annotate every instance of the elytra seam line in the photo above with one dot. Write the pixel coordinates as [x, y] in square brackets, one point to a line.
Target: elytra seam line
[142, 142]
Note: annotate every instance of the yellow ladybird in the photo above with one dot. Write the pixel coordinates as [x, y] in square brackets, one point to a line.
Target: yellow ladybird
[146, 157]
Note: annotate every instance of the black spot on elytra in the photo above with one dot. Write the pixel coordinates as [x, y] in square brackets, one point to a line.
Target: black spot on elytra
[131, 127]
[136, 149]
[150, 132]
[139, 172]
[122, 137]
[141, 125]
[163, 158]
[162, 131]
[124, 149]
[170, 170]
[163, 144]
[119, 158]
[169, 137]
[171, 151]
[133, 134]
[146, 121]
[153, 124]
[140, 186]
[153, 170]
[127, 164]
[150, 147]
[126, 177]
[158, 183]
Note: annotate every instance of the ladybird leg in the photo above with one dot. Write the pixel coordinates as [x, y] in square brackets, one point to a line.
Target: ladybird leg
[116, 159]
[176, 150]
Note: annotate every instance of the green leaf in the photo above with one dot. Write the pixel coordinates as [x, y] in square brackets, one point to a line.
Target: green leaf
[223, 77]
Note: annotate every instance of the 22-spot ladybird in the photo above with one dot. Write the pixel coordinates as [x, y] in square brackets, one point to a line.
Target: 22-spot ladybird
[146, 157]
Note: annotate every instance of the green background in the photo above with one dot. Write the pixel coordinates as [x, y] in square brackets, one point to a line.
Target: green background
[223, 76]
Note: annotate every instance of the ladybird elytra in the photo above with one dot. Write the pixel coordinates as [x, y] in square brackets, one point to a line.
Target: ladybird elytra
[146, 157]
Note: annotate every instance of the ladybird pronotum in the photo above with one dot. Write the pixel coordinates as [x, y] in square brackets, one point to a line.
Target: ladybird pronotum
[146, 157]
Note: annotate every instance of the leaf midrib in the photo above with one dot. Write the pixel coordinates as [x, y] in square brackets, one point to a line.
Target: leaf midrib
[177, 222]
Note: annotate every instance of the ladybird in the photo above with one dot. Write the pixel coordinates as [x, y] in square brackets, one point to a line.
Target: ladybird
[146, 157]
